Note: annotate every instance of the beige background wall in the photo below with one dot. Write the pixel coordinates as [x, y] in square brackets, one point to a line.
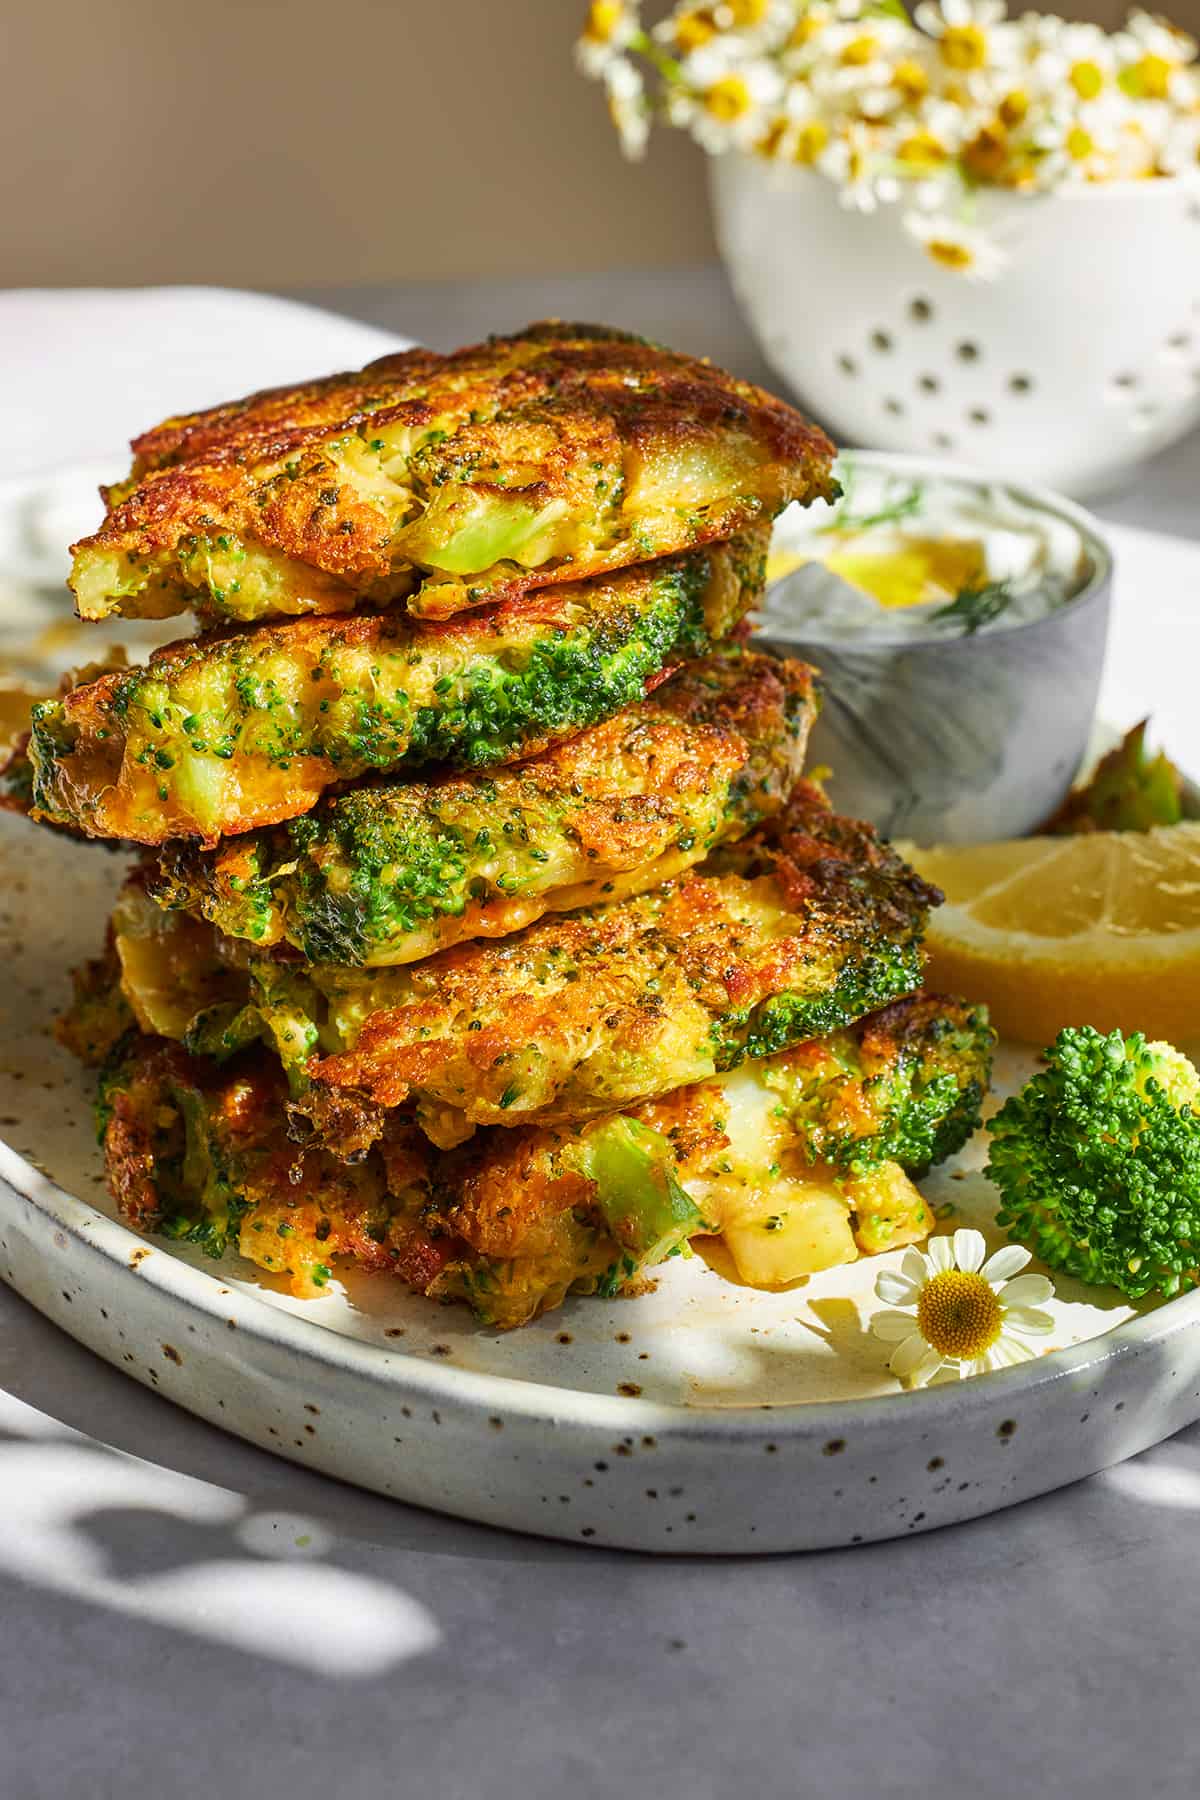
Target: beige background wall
[280, 143]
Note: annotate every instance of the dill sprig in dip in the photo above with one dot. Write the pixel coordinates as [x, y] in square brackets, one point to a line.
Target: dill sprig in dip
[913, 556]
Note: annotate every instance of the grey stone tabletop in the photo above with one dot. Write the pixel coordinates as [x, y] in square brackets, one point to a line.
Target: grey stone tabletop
[183, 1615]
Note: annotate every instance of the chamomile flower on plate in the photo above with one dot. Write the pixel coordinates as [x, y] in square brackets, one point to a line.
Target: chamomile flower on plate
[950, 1310]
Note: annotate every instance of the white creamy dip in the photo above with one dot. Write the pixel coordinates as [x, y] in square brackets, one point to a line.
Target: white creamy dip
[903, 556]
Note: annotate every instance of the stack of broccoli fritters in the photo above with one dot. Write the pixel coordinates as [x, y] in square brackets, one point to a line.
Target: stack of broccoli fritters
[483, 929]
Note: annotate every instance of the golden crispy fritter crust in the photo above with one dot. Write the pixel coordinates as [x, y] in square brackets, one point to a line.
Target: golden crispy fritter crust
[391, 872]
[582, 1015]
[844, 1071]
[556, 454]
[224, 733]
[200, 1153]
[808, 924]
[515, 1220]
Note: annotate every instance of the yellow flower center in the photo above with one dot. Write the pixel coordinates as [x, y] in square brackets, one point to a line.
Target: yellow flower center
[921, 152]
[728, 99]
[1149, 78]
[958, 1314]
[811, 139]
[1079, 143]
[746, 12]
[1014, 108]
[805, 29]
[860, 51]
[692, 30]
[910, 79]
[1087, 78]
[985, 156]
[603, 19]
[964, 47]
[950, 253]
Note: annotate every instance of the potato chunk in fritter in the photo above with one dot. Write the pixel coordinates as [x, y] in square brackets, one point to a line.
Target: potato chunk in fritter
[393, 871]
[226, 733]
[560, 453]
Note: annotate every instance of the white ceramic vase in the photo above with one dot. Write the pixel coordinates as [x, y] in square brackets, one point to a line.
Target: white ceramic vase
[1076, 362]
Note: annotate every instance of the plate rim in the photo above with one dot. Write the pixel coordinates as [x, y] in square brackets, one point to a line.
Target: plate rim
[540, 1402]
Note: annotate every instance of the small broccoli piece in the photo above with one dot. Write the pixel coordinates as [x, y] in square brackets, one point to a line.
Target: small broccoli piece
[1129, 791]
[637, 1189]
[902, 1086]
[1098, 1162]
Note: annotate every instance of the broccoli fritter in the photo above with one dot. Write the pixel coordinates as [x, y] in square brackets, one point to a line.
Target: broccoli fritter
[16, 721]
[804, 926]
[200, 1154]
[811, 924]
[227, 733]
[515, 1220]
[902, 1085]
[557, 454]
[1098, 1163]
[804, 1159]
[394, 871]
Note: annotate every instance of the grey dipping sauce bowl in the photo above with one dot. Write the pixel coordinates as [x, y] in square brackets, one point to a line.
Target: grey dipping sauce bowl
[959, 740]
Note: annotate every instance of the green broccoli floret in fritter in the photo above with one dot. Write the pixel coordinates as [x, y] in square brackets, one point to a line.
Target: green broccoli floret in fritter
[904, 1085]
[1098, 1162]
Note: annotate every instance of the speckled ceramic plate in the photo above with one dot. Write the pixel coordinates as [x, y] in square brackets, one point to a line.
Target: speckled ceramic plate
[703, 1417]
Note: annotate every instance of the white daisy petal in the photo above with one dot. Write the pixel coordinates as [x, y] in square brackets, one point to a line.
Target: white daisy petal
[914, 1268]
[969, 1249]
[1008, 1351]
[1005, 1262]
[1028, 1318]
[893, 1327]
[927, 1368]
[896, 1289]
[1026, 1290]
[909, 1355]
[940, 1252]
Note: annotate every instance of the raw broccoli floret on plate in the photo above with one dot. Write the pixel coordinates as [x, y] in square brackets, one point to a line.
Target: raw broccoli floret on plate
[1098, 1162]
[1130, 790]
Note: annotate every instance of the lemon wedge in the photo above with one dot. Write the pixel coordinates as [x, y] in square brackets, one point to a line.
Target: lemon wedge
[1101, 929]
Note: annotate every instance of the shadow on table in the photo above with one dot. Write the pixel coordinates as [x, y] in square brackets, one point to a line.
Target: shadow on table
[53, 1387]
[162, 1521]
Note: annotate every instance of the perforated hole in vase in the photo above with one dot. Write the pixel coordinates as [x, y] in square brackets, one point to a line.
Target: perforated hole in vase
[1179, 341]
[894, 406]
[1124, 383]
[928, 384]
[979, 415]
[967, 351]
[881, 341]
[847, 364]
[1020, 384]
[920, 310]
[942, 440]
